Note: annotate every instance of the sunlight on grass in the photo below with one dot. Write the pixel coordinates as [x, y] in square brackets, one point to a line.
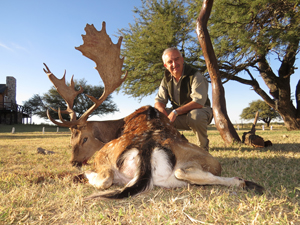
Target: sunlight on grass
[39, 189]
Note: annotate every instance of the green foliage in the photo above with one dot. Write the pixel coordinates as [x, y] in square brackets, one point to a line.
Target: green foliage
[158, 25]
[241, 30]
[266, 113]
[39, 104]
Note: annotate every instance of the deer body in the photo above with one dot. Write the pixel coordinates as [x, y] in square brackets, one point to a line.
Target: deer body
[139, 151]
[152, 152]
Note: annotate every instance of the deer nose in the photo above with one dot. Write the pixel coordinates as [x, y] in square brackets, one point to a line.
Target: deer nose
[77, 164]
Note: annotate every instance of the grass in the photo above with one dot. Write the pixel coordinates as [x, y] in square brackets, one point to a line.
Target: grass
[39, 189]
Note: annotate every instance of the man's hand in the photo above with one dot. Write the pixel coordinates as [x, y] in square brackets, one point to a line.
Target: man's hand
[181, 110]
[184, 109]
[172, 117]
[161, 107]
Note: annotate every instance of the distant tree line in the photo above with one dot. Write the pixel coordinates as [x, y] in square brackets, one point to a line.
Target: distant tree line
[39, 104]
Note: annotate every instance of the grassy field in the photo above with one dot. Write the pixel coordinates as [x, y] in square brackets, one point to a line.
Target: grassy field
[39, 189]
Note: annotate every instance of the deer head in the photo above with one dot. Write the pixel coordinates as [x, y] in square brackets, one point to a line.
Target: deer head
[89, 137]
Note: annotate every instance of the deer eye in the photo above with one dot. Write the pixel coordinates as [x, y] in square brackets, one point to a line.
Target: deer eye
[84, 140]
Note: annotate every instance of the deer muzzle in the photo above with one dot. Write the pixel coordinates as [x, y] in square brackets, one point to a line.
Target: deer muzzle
[76, 164]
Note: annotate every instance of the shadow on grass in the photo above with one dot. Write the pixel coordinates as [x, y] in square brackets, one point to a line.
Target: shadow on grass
[272, 173]
[283, 147]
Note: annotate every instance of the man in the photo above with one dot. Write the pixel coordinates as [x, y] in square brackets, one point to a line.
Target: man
[187, 90]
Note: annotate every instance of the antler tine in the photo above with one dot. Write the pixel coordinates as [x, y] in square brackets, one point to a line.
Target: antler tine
[55, 122]
[68, 93]
[98, 47]
[72, 115]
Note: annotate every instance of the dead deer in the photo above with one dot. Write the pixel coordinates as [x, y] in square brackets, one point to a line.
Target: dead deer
[141, 150]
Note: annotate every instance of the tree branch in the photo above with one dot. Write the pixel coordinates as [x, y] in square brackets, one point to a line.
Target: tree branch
[270, 79]
[287, 66]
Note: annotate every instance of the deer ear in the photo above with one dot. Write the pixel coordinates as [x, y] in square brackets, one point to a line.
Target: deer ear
[97, 134]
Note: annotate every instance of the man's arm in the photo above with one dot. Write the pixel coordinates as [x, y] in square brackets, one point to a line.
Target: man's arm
[188, 107]
[161, 107]
[161, 99]
[184, 109]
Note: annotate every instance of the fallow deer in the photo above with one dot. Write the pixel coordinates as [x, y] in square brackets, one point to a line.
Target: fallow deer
[144, 149]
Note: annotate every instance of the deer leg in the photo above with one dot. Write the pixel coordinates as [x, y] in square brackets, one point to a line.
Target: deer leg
[196, 175]
[101, 180]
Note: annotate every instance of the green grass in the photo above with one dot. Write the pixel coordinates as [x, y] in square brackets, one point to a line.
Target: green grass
[39, 189]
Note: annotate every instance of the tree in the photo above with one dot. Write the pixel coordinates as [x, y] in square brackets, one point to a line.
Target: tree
[39, 104]
[159, 24]
[222, 120]
[266, 113]
[246, 36]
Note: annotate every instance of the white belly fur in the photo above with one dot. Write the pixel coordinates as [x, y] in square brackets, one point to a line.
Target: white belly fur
[162, 173]
[129, 168]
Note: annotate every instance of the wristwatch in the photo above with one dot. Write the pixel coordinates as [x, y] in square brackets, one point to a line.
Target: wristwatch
[175, 112]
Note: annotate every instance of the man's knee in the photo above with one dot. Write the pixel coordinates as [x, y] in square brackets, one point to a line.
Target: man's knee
[199, 117]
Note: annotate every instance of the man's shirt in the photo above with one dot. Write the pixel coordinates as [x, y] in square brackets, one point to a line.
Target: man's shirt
[199, 90]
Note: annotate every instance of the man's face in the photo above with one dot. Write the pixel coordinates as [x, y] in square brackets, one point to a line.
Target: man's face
[174, 63]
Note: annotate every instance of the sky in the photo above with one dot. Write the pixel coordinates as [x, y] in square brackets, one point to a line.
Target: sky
[34, 32]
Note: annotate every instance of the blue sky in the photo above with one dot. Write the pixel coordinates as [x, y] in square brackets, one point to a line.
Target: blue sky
[34, 32]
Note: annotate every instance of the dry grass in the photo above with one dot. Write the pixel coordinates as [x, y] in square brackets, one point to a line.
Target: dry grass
[39, 189]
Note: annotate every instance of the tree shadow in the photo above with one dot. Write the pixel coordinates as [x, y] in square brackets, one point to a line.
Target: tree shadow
[283, 147]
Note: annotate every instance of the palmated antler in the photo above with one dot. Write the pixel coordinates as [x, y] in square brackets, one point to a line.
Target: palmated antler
[68, 93]
[98, 47]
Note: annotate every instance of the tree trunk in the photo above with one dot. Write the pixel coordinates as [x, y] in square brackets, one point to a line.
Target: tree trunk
[297, 95]
[223, 123]
[285, 106]
[282, 104]
[290, 121]
[280, 87]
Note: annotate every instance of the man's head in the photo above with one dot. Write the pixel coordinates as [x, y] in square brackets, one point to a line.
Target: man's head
[173, 61]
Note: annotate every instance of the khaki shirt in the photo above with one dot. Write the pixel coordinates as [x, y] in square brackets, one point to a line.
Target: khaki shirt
[199, 92]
